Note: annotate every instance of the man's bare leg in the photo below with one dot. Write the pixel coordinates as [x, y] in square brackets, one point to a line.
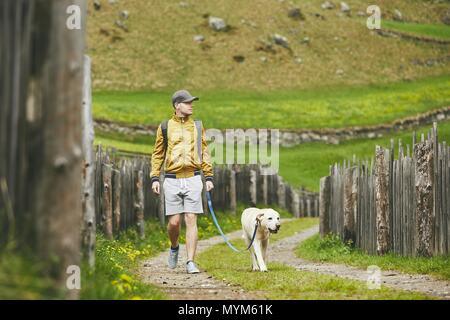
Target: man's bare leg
[191, 235]
[173, 229]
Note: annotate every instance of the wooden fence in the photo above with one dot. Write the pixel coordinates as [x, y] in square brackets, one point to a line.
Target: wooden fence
[392, 205]
[123, 195]
[41, 70]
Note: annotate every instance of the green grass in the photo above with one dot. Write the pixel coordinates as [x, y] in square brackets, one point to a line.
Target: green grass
[284, 282]
[325, 107]
[23, 277]
[331, 249]
[114, 276]
[436, 31]
[296, 162]
[123, 142]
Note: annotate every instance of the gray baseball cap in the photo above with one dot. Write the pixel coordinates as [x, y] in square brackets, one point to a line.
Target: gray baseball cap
[182, 96]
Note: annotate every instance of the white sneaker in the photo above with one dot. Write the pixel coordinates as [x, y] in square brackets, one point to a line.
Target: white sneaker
[191, 267]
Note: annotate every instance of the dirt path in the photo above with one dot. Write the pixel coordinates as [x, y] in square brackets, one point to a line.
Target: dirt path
[179, 285]
[283, 251]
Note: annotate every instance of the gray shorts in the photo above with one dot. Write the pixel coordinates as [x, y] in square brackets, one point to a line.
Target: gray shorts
[183, 195]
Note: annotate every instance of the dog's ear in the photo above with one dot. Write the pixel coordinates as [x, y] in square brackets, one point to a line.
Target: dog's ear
[259, 217]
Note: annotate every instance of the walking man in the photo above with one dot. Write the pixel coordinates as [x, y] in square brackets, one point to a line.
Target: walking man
[182, 149]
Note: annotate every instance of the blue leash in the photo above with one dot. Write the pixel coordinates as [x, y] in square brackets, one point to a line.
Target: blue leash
[211, 210]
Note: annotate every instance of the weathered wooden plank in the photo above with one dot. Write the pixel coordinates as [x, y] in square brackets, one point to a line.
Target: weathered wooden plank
[295, 203]
[88, 198]
[116, 189]
[447, 195]
[382, 202]
[281, 191]
[232, 194]
[252, 187]
[424, 197]
[107, 201]
[436, 188]
[139, 203]
[349, 205]
[391, 193]
[325, 207]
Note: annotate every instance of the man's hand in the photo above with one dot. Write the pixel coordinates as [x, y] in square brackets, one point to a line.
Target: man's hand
[209, 185]
[155, 187]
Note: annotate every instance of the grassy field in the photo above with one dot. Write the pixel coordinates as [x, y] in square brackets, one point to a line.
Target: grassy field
[305, 164]
[284, 282]
[158, 52]
[333, 250]
[324, 107]
[130, 143]
[434, 31]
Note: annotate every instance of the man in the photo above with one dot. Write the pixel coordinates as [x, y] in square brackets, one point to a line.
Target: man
[182, 158]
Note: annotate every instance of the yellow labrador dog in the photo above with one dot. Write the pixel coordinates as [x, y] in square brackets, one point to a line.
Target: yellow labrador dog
[268, 222]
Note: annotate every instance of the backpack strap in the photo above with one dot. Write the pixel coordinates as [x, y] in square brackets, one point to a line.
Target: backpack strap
[164, 133]
[198, 125]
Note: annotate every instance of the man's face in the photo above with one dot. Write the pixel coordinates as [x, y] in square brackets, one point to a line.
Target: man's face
[185, 108]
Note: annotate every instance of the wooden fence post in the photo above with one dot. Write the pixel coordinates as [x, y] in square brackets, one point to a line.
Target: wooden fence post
[302, 206]
[382, 201]
[350, 204]
[281, 190]
[424, 198]
[253, 188]
[308, 207]
[88, 198]
[324, 205]
[294, 207]
[55, 186]
[116, 189]
[139, 203]
[232, 191]
[316, 205]
[107, 201]
[264, 188]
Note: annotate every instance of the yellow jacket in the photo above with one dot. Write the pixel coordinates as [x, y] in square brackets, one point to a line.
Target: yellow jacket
[181, 156]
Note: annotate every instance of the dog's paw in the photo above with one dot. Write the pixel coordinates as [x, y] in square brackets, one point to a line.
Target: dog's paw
[263, 270]
[255, 269]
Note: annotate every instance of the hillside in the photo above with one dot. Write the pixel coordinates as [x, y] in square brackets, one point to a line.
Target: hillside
[154, 49]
